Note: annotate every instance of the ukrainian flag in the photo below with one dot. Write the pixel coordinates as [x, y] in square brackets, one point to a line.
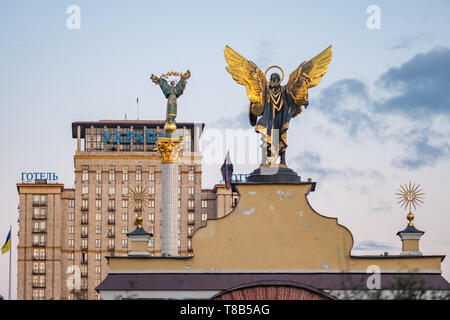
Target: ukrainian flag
[7, 244]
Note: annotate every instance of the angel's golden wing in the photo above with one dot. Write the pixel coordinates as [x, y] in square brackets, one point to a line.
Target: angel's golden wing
[246, 72]
[306, 76]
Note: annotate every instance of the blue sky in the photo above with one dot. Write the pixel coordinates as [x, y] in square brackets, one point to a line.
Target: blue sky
[379, 118]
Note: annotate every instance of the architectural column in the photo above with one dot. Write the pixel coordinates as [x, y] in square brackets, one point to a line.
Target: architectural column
[170, 150]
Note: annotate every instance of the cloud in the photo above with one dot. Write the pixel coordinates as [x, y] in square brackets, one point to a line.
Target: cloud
[346, 103]
[239, 121]
[420, 85]
[423, 153]
[372, 245]
[310, 163]
[407, 42]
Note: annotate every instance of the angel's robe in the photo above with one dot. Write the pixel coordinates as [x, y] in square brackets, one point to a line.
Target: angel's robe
[172, 93]
[279, 108]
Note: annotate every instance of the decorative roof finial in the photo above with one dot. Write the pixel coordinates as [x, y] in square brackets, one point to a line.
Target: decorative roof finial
[410, 196]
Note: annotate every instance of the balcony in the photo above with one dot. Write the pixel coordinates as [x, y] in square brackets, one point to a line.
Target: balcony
[111, 208]
[39, 216]
[39, 203]
[84, 234]
[191, 221]
[84, 288]
[39, 244]
[84, 274]
[84, 208]
[38, 271]
[38, 258]
[111, 221]
[111, 247]
[38, 230]
[84, 261]
[191, 209]
[191, 196]
[190, 249]
[38, 285]
[111, 235]
[38, 298]
[190, 235]
[84, 248]
[84, 221]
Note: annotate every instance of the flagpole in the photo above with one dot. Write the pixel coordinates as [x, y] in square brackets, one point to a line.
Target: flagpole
[10, 252]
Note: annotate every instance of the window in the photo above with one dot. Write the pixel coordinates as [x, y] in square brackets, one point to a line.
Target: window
[138, 168]
[98, 190]
[179, 190]
[151, 190]
[111, 204]
[191, 190]
[179, 177]
[190, 230]
[85, 167]
[71, 229]
[179, 203]
[124, 230]
[151, 203]
[38, 294]
[98, 204]
[124, 243]
[112, 191]
[179, 243]
[98, 243]
[98, 229]
[124, 191]
[98, 256]
[71, 216]
[112, 168]
[191, 217]
[84, 243]
[71, 243]
[151, 217]
[84, 203]
[39, 254]
[71, 256]
[111, 244]
[124, 203]
[179, 230]
[98, 177]
[151, 243]
[124, 176]
[72, 203]
[39, 198]
[112, 177]
[85, 177]
[98, 216]
[204, 216]
[151, 176]
[191, 204]
[191, 168]
[138, 176]
[84, 190]
[191, 177]
[151, 230]
[179, 216]
[189, 244]
[98, 269]
[125, 216]
[204, 203]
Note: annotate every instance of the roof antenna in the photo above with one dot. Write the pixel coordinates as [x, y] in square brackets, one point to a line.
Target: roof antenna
[137, 106]
[125, 116]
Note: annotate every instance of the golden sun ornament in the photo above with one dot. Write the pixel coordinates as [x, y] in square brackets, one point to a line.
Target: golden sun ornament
[410, 196]
[139, 197]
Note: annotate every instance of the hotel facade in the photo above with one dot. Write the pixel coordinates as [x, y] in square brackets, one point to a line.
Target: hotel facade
[65, 234]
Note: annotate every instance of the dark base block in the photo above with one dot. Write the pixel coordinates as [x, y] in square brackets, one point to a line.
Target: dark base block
[274, 175]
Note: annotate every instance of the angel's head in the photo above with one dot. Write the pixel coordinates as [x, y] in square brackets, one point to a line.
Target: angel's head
[274, 80]
[172, 83]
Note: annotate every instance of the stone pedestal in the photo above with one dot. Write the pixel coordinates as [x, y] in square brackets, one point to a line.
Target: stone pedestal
[274, 175]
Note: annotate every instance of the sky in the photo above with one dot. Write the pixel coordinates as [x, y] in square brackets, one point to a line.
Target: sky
[379, 118]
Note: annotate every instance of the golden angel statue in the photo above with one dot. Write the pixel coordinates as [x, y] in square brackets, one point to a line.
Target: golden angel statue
[273, 103]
